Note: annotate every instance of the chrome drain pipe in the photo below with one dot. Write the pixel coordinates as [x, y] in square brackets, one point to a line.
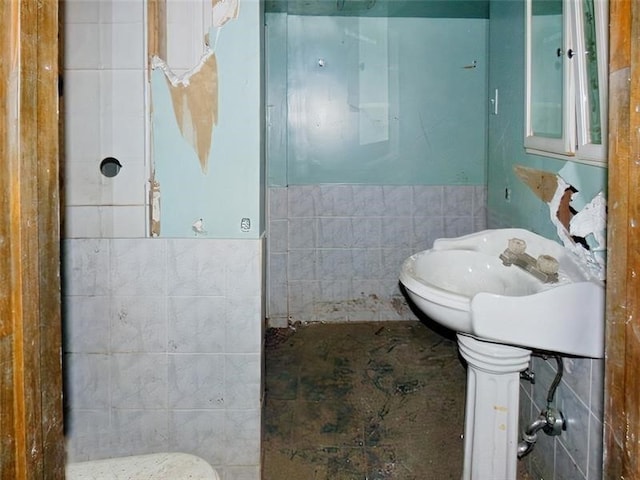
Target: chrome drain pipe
[530, 435]
[550, 420]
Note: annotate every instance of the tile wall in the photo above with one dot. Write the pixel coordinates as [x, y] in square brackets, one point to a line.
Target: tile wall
[335, 251]
[104, 105]
[162, 349]
[577, 453]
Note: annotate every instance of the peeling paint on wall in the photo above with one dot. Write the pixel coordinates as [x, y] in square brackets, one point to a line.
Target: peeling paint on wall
[580, 230]
[206, 119]
[154, 201]
[223, 11]
[195, 103]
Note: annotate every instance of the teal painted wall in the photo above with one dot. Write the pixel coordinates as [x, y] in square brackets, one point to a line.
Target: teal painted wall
[510, 202]
[232, 189]
[577, 453]
[376, 100]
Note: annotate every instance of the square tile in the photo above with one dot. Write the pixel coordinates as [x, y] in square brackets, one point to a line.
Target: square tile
[196, 267]
[196, 381]
[139, 380]
[138, 324]
[86, 324]
[196, 324]
[199, 432]
[138, 267]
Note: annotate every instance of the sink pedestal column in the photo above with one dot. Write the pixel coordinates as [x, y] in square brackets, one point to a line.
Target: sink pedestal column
[491, 412]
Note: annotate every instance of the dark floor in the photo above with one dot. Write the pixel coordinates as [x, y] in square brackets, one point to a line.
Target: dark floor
[366, 401]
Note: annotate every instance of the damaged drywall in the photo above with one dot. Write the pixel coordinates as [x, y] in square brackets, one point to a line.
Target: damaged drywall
[206, 146]
[223, 11]
[195, 103]
[582, 229]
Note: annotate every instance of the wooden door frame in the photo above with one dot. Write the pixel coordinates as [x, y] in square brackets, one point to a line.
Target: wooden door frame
[622, 363]
[31, 440]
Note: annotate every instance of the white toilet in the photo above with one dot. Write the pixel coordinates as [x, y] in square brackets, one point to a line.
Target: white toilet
[156, 466]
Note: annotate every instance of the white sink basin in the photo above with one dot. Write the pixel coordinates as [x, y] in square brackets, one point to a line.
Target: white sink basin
[462, 284]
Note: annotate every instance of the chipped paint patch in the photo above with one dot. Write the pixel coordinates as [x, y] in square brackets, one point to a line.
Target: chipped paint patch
[154, 201]
[223, 10]
[195, 102]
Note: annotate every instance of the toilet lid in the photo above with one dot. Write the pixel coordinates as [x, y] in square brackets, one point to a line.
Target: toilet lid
[157, 466]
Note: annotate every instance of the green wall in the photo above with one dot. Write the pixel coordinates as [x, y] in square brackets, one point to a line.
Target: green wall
[376, 100]
[232, 189]
[510, 202]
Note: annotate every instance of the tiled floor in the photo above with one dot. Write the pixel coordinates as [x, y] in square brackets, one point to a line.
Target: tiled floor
[366, 401]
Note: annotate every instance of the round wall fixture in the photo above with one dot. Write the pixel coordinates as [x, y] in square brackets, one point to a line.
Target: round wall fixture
[110, 167]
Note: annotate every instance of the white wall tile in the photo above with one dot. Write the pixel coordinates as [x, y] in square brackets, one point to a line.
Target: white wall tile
[302, 201]
[302, 264]
[243, 334]
[277, 198]
[122, 136]
[121, 11]
[197, 324]
[458, 226]
[458, 200]
[336, 200]
[121, 92]
[242, 430]
[367, 232]
[396, 232]
[82, 139]
[87, 385]
[368, 201]
[185, 33]
[242, 381]
[129, 221]
[81, 11]
[85, 267]
[82, 92]
[87, 422]
[303, 296]
[243, 273]
[86, 185]
[82, 46]
[335, 232]
[334, 263]
[425, 231]
[138, 324]
[196, 267]
[128, 187]
[138, 267]
[122, 46]
[139, 380]
[428, 200]
[137, 432]
[278, 236]
[196, 381]
[86, 323]
[397, 201]
[242, 473]
[302, 232]
[199, 432]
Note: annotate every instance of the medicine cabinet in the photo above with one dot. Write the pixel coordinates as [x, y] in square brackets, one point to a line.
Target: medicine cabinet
[566, 79]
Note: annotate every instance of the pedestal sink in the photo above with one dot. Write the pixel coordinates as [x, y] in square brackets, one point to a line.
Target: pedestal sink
[500, 314]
